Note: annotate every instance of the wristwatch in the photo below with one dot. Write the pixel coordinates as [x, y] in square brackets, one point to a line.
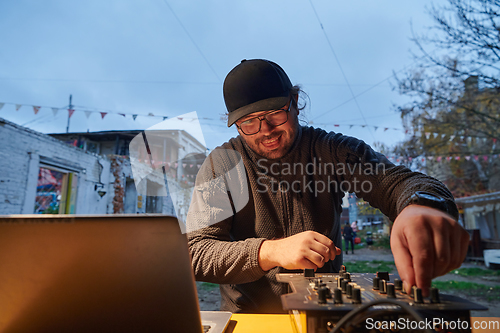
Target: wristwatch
[430, 200]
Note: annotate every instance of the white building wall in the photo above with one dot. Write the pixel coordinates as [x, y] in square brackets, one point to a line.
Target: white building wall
[21, 152]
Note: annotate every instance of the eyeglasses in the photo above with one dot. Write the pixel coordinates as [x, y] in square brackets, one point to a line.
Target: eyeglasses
[251, 126]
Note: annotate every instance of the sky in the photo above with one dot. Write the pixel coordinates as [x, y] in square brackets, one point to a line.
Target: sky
[166, 58]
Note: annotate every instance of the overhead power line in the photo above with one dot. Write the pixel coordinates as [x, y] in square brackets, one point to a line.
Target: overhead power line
[192, 40]
[340, 66]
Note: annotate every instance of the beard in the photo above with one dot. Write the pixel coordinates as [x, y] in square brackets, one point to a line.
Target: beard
[278, 148]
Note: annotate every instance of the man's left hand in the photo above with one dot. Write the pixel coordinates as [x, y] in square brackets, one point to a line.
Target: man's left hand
[426, 243]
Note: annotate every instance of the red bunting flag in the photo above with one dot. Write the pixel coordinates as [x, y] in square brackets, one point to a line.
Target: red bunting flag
[122, 114]
[36, 109]
[103, 114]
[70, 112]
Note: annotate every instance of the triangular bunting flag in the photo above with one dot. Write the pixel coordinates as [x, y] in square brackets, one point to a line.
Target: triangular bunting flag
[427, 135]
[336, 125]
[448, 158]
[36, 109]
[103, 114]
[439, 158]
[165, 118]
[452, 137]
[70, 112]
[457, 158]
[385, 129]
[476, 157]
[376, 127]
[134, 116]
[1, 105]
[180, 118]
[54, 111]
[430, 158]
[151, 114]
[18, 106]
[350, 126]
[485, 158]
[467, 158]
[122, 114]
[87, 114]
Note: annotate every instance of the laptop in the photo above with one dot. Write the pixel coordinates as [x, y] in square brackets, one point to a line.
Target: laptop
[106, 273]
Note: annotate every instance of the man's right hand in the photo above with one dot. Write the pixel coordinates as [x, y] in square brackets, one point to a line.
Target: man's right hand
[307, 249]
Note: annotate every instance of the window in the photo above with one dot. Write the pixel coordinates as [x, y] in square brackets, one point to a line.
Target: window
[55, 191]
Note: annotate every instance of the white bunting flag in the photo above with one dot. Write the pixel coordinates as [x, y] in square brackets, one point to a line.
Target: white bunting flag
[54, 111]
[18, 106]
[1, 105]
[87, 114]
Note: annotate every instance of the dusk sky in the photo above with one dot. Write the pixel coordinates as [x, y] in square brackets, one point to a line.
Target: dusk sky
[170, 57]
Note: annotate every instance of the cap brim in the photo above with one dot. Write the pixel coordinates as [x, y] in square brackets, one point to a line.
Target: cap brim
[268, 104]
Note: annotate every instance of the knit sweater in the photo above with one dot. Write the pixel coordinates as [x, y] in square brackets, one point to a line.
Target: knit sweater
[301, 191]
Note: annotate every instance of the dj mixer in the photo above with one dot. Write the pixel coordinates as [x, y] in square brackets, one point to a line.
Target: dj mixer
[351, 302]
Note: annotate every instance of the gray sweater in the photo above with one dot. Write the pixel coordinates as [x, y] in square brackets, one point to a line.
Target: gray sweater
[301, 191]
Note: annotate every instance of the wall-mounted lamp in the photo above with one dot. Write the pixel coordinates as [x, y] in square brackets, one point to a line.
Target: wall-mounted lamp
[99, 187]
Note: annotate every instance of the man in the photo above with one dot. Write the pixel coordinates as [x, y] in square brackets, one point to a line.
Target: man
[296, 177]
[348, 237]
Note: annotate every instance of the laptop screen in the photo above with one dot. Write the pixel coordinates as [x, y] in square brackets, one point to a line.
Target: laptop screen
[111, 273]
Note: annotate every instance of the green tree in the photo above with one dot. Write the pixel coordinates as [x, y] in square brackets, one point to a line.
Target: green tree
[455, 93]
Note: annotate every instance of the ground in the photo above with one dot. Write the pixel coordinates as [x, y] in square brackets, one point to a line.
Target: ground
[481, 288]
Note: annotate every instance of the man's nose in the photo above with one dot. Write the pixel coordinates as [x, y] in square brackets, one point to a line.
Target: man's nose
[265, 128]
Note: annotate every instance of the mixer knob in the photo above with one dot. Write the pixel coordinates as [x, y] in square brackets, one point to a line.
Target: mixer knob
[391, 292]
[383, 275]
[337, 294]
[382, 286]
[339, 282]
[322, 295]
[398, 284]
[356, 295]
[348, 291]
[308, 272]
[347, 276]
[343, 286]
[435, 295]
[376, 283]
[417, 295]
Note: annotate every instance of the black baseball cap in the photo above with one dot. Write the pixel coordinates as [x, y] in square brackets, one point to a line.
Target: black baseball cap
[255, 85]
